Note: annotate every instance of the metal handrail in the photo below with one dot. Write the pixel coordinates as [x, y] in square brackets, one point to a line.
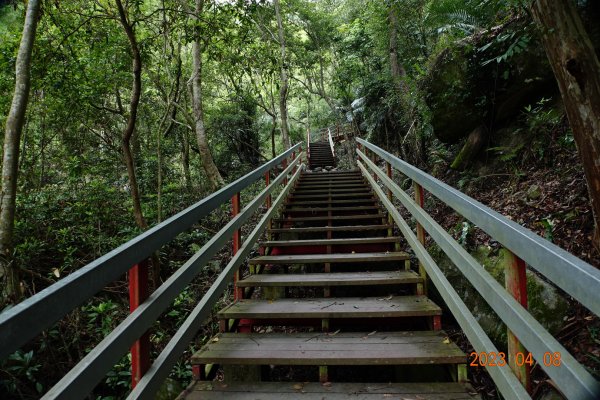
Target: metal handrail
[576, 277]
[82, 378]
[571, 377]
[160, 369]
[507, 382]
[330, 142]
[27, 319]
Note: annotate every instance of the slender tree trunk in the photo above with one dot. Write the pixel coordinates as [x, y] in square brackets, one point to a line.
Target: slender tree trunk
[283, 90]
[136, 92]
[129, 130]
[10, 161]
[185, 160]
[273, 130]
[212, 173]
[397, 70]
[577, 70]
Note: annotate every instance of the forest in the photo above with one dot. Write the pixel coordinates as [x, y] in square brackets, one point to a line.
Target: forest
[118, 114]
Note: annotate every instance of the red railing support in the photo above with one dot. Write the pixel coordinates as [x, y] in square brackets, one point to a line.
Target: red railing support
[138, 292]
[515, 277]
[238, 293]
[420, 200]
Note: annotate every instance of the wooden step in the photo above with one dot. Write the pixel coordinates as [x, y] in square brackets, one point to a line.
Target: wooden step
[334, 179]
[330, 242]
[332, 218]
[290, 209]
[202, 390]
[305, 191]
[332, 279]
[310, 185]
[349, 228]
[328, 202]
[379, 348]
[288, 259]
[332, 307]
[330, 195]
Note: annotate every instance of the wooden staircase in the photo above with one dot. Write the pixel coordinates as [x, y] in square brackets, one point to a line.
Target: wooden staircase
[332, 301]
[320, 155]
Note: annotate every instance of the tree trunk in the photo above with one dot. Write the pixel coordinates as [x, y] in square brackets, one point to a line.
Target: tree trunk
[273, 130]
[129, 130]
[397, 70]
[577, 70]
[283, 90]
[212, 173]
[185, 160]
[134, 102]
[10, 163]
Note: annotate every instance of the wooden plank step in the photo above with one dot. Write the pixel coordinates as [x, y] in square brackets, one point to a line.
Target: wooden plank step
[330, 258]
[289, 209]
[385, 348]
[332, 218]
[332, 185]
[349, 228]
[203, 390]
[332, 307]
[328, 202]
[350, 178]
[305, 191]
[332, 279]
[331, 195]
[330, 242]
[331, 173]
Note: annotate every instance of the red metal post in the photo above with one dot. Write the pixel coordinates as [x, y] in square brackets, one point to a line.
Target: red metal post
[420, 200]
[515, 276]
[284, 165]
[138, 292]
[293, 158]
[238, 293]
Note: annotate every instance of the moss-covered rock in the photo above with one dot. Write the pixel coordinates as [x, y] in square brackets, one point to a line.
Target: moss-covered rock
[546, 303]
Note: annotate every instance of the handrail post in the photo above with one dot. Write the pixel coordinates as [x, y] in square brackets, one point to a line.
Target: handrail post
[420, 200]
[238, 293]
[138, 292]
[515, 278]
[388, 170]
[284, 165]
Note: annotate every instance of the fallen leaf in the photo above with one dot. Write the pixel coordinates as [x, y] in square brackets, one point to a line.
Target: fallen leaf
[297, 386]
[446, 340]
[56, 272]
[334, 333]
[326, 384]
[372, 333]
[215, 339]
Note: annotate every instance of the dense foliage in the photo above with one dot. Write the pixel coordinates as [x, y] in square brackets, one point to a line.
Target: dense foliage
[401, 71]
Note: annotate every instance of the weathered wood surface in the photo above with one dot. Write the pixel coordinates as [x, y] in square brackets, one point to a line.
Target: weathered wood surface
[330, 195]
[385, 348]
[329, 391]
[331, 218]
[306, 191]
[330, 258]
[349, 228]
[332, 279]
[327, 209]
[330, 242]
[329, 202]
[332, 307]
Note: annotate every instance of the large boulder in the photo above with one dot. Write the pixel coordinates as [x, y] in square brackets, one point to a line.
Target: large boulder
[485, 78]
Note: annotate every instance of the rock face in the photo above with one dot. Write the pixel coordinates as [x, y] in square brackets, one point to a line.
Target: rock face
[466, 86]
[546, 303]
